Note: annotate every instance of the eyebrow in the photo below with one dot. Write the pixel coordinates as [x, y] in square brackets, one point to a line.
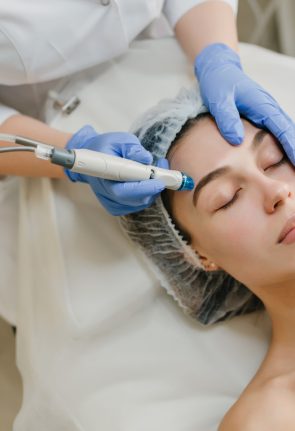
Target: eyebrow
[257, 140]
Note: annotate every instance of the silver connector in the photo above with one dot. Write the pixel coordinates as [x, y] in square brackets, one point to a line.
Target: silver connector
[43, 152]
[174, 180]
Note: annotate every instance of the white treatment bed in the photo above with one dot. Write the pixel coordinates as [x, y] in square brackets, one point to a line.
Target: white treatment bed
[100, 345]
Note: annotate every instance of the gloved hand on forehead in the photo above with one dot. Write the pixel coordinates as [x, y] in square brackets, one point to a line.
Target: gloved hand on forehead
[119, 198]
[227, 91]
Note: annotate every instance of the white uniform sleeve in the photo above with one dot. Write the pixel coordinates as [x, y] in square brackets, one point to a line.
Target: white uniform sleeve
[174, 9]
[6, 112]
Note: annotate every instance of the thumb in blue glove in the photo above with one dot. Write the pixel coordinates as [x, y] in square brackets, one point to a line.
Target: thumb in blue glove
[228, 92]
[119, 198]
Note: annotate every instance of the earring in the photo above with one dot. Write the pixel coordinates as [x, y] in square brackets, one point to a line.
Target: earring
[210, 266]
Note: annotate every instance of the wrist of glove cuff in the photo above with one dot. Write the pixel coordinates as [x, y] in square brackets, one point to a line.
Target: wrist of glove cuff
[77, 141]
[213, 56]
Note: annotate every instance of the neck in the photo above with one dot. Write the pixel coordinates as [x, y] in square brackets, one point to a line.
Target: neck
[280, 305]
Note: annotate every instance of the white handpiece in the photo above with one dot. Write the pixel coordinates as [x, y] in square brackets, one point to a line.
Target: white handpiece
[119, 169]
[100, 164]
[109, 167]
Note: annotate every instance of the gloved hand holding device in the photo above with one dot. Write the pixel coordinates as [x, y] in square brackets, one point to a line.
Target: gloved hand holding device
[227, 91]
[119, 198]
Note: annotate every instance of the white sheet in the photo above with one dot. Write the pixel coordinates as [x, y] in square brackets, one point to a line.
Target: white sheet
[100, 344]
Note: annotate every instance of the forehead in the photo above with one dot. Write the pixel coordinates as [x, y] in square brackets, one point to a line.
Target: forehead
[203, 149]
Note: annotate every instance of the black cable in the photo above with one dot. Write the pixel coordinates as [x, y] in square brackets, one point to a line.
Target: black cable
[59, 156]
[10, 149]
[27, 142]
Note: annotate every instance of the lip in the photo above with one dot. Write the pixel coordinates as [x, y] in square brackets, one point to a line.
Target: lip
[289, 226]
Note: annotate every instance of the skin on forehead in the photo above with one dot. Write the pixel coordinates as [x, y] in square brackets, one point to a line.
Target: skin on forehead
[205, 147]
[245, 232]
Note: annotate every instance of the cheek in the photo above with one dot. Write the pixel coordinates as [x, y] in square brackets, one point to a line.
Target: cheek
[233, 240]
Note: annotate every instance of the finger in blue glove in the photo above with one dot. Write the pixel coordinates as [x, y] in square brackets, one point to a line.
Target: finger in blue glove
[228, 92]
[117, 197]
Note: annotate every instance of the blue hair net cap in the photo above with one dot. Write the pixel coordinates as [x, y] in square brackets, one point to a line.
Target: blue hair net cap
[209, 297]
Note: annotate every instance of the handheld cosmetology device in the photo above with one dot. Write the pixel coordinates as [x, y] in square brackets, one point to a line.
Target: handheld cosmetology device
[99, 164]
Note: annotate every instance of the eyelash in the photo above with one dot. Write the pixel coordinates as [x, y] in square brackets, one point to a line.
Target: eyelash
[228, 204]
[279, 163]
[236, 195]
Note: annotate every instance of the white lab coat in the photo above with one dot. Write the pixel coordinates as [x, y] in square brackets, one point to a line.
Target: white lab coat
[43, 45]
[43, 40]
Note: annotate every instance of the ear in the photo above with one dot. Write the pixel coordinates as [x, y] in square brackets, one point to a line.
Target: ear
[206, 261]
[208, 264]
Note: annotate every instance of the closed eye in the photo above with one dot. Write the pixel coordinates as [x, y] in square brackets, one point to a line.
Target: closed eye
[229, 203]
[283, 160]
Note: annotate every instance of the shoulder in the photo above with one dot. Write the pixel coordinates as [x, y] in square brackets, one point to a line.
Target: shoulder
[270, 408]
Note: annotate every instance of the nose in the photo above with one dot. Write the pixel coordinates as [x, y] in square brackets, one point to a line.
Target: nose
[276, 194]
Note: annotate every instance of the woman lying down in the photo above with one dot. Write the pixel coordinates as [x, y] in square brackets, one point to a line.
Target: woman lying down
[227, 247]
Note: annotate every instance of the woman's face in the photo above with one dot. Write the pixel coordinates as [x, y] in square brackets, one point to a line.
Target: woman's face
[235, 216]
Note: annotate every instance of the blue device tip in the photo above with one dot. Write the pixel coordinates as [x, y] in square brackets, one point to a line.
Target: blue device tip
[187, 183]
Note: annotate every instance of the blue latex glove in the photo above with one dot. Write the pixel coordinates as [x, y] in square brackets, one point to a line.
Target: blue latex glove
[119, 198]
[227, 91]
